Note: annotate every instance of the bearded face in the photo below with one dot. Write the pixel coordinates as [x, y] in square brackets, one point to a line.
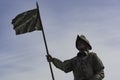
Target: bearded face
[81, 46]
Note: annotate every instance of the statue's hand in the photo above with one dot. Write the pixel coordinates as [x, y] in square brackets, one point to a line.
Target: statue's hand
[49, 58]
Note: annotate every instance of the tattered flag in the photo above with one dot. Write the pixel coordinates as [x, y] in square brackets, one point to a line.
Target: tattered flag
[27, 22]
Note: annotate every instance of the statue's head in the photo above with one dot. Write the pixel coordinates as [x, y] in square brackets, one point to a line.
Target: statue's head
[82, 43]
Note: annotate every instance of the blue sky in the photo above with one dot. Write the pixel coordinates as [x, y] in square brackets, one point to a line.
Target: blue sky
[22, 57]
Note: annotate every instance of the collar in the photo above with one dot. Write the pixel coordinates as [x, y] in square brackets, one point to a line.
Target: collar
[82, 54]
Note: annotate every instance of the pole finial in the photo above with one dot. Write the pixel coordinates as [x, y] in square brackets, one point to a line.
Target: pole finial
[37, 5]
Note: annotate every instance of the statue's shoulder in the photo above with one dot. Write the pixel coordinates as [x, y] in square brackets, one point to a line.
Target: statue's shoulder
[73, 59]
[92, 54]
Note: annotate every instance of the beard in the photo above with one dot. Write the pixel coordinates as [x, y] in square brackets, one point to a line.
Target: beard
[82, 50]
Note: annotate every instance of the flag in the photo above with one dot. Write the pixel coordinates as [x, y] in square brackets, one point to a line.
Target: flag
[27, 22]
[30, 21]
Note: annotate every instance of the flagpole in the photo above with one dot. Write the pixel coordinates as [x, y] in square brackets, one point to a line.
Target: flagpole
[45, 42]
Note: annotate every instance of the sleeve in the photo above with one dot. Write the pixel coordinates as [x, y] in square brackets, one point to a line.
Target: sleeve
[65, 66]
[98, 68]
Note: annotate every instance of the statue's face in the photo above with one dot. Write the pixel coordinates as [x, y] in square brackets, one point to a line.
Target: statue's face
[81, 45]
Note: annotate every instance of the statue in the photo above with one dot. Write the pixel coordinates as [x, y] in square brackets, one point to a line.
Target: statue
[85, 65]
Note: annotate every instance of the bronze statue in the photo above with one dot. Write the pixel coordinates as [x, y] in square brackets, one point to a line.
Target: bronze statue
[85, 66]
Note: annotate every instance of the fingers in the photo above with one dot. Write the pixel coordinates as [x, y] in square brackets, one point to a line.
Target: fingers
[49, 58]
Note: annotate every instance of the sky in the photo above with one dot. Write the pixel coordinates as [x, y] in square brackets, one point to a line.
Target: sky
[22, 57]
